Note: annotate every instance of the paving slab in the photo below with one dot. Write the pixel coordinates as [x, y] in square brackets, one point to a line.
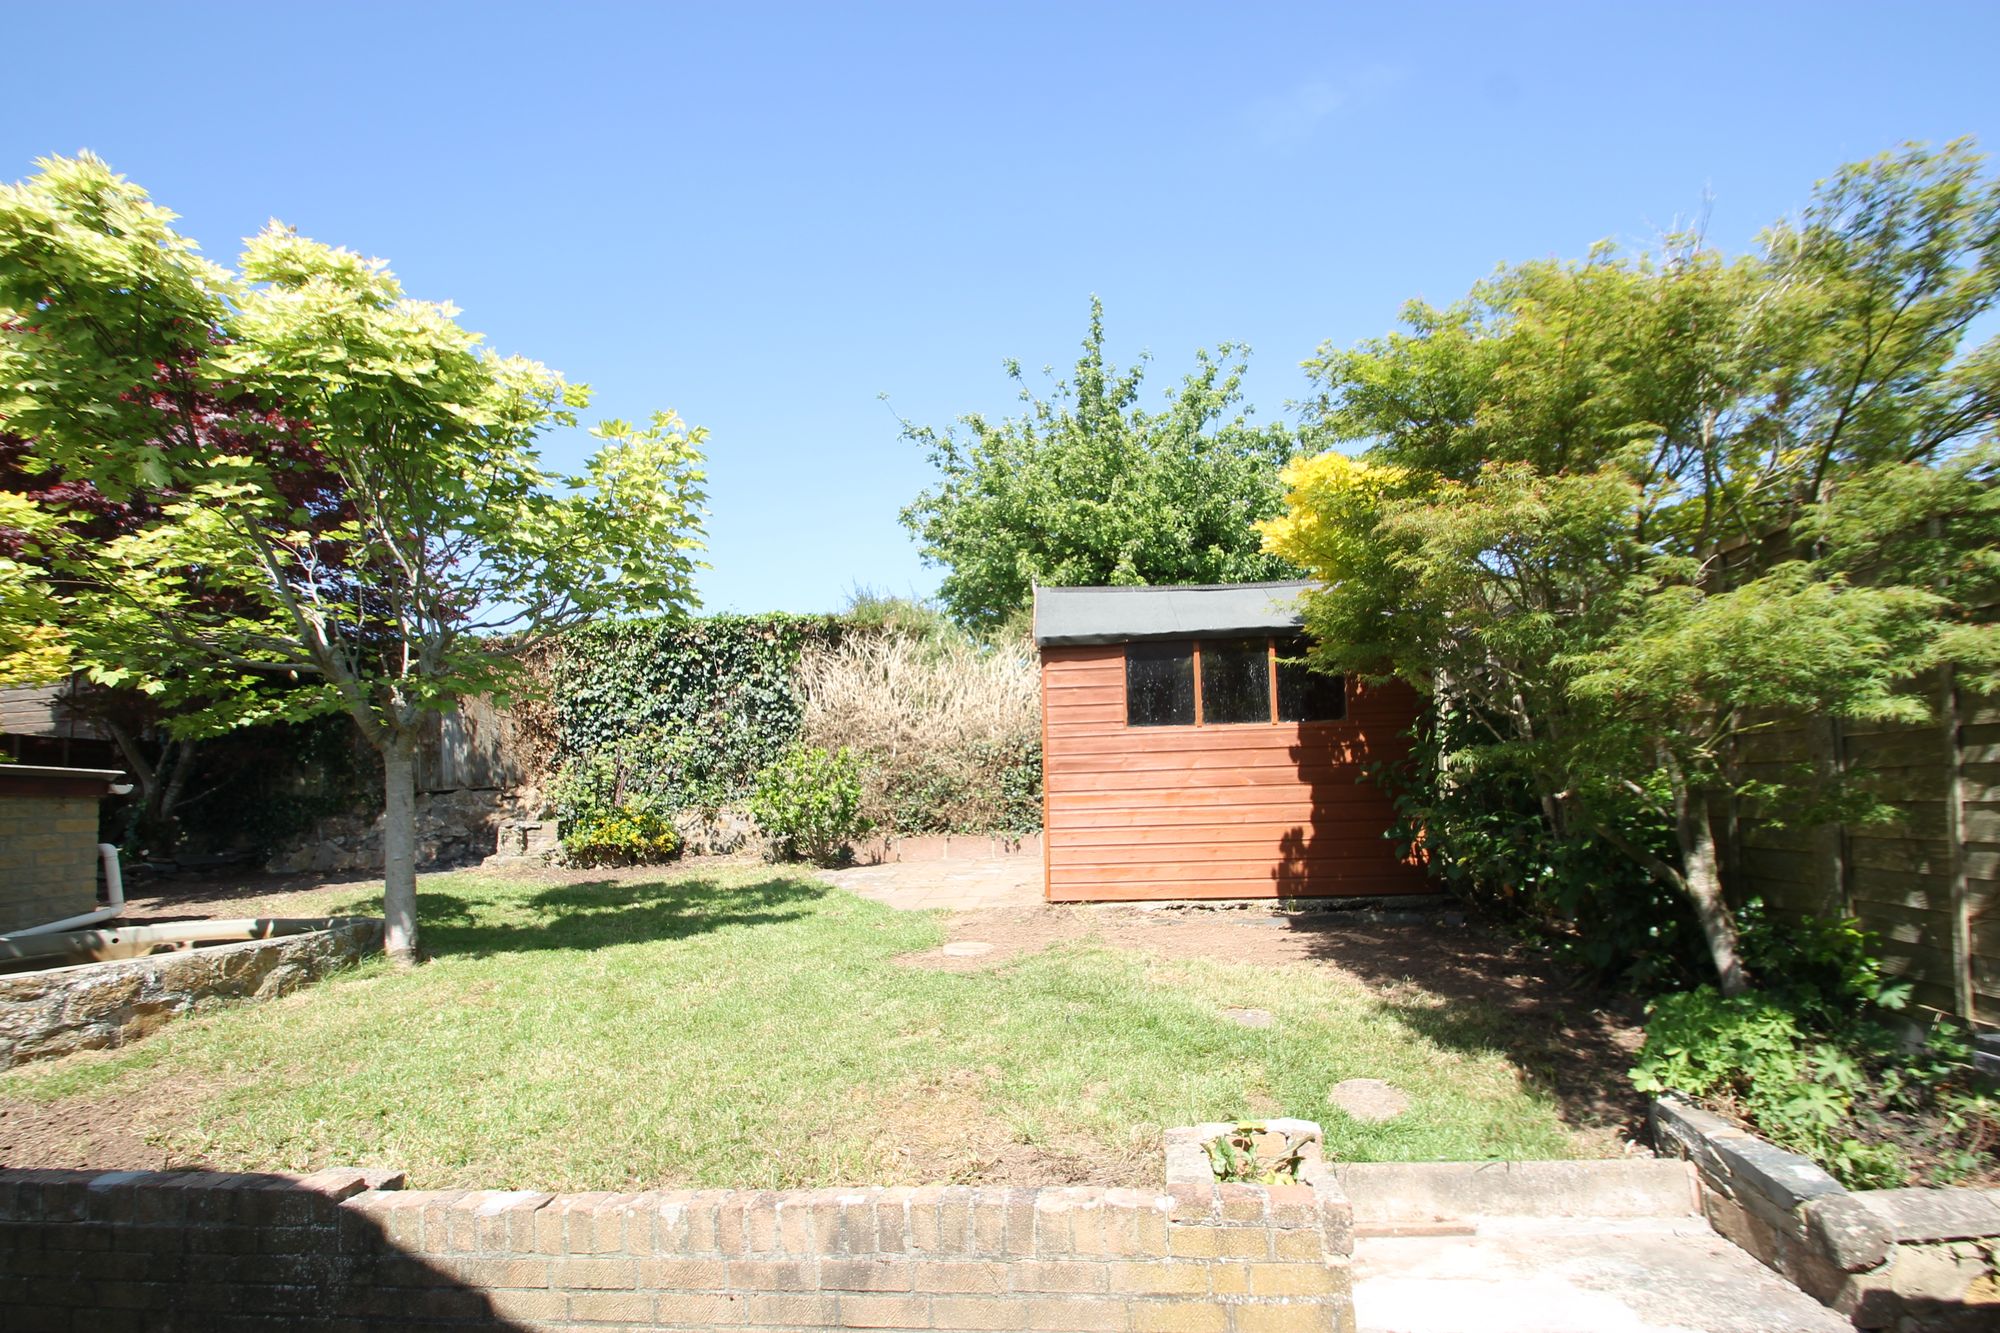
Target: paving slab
[1409, 1192]
[1572, 1275]
[967, 885]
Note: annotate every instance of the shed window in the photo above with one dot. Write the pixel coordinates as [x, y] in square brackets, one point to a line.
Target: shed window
[1235, 680]
[1305, 695]
[1159, 684]
[1223, 682]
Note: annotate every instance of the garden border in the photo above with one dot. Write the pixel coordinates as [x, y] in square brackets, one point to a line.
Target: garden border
[1913, 1260]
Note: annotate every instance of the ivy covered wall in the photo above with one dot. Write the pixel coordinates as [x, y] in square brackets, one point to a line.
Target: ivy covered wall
[726, 679]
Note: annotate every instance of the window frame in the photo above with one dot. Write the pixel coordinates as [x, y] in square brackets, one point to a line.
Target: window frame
[1272, 719]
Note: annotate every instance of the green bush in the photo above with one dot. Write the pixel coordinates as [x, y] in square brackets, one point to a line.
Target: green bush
[1472, 806]
[624, 835]
[1751, 1055]
[615, 806]
[1826, 970]
[809, 803]
[1805, 1065]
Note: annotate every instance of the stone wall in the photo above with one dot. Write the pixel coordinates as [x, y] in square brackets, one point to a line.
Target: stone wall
[1908, 1260]
[48, 858]
[454, 828]
[348, 1249]
[59, 1010]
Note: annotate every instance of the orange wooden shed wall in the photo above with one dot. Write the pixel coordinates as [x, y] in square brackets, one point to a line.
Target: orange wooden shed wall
[1260, 810]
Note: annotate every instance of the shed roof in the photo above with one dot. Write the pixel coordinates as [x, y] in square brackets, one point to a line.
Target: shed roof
[1185, 611]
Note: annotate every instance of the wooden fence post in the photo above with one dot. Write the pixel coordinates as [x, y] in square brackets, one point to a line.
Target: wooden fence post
[1954, 832]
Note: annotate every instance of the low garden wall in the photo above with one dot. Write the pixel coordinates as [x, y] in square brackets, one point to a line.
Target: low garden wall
[347, 1248]
[62, 1009]
[1908, 1260]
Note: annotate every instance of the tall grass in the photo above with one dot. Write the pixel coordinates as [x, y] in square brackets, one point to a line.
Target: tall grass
[949, 730]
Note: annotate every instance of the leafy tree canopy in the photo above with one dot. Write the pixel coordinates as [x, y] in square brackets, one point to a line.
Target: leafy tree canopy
[1088, 487]
[312, 479]
[1628, 510]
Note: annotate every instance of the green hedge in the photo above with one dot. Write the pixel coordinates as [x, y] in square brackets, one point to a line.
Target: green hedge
[726, 678]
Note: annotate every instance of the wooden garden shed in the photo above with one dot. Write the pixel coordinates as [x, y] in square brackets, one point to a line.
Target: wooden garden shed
[1188, 753]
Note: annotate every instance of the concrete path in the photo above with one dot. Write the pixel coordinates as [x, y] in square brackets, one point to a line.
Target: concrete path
[1576, 1275]
[970, 885]
[1555, 1247]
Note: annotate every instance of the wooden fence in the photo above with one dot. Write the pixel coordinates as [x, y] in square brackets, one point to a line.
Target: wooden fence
[1928, 883]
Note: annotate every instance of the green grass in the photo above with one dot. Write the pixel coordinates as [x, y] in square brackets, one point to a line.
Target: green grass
[749, 1027]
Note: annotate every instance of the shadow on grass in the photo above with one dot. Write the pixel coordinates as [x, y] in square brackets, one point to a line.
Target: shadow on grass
[601, 914]
[1469, 990]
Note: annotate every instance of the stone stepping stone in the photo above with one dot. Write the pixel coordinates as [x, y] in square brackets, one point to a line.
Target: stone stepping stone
[1249, 1018]
[966, 949]
[1369, 1099]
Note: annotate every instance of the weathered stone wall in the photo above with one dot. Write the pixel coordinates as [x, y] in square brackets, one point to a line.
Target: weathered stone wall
[53, 1012]
[346, 1249]
[1912, 1260]
[454, 828]
[48, 858]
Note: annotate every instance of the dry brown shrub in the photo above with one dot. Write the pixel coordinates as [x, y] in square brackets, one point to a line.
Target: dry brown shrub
[949, 731]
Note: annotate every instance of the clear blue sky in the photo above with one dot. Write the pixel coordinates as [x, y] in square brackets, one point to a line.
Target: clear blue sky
[766, 216]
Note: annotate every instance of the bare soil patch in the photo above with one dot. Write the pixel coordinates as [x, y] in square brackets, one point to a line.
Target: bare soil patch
[113, 1132]
[941, 1130]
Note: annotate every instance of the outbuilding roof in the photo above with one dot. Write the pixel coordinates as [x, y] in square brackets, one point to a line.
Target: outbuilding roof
[1183, 611]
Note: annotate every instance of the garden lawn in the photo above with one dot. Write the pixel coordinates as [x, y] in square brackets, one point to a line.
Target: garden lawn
[754, 1027]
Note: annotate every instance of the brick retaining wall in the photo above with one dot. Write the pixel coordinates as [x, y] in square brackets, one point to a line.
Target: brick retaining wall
[345, 1249]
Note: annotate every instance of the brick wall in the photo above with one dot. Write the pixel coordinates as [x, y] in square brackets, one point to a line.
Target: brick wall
[345, 1249]
[48, 858]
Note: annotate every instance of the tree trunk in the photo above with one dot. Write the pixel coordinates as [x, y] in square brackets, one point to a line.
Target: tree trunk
[399, 850]
[1704, 886]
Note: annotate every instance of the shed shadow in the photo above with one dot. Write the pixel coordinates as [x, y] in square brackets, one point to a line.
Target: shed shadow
[1462, 986]
[1472, 990]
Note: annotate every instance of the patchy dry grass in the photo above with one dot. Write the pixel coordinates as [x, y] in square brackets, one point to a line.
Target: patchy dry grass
[749, 1026]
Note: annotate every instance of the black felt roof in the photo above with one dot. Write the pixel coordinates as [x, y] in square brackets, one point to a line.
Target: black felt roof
[1185, 611]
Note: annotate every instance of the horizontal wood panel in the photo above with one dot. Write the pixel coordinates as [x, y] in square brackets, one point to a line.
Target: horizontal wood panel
[1060, 784]
[1083, 715]
[1252, 857]
[1120, 809]
[1061, 697]
[1916, 856]
[1884, 918]
[1363, 744]
[1065, 871]
[1321, 886]
[1795, 867]
[1318, 762]
[1220, 833]
[1901, 749]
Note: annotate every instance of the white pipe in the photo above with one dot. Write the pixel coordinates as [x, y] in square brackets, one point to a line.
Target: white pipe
[114, 889]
